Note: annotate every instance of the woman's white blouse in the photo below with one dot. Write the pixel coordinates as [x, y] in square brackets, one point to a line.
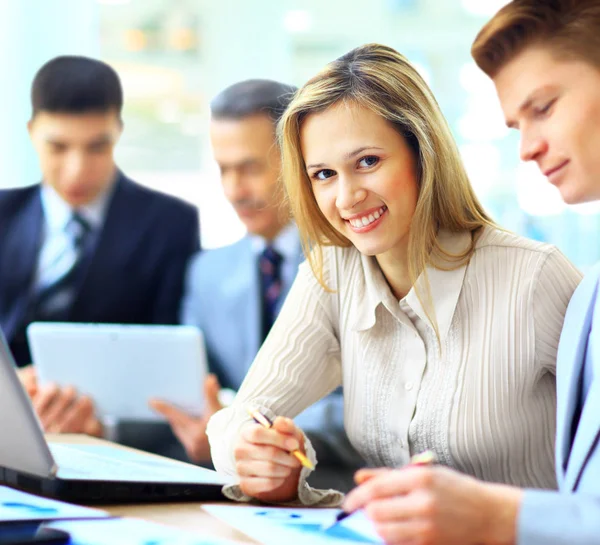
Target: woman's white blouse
[483, 399]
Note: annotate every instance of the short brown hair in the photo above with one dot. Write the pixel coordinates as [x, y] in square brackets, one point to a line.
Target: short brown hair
[570, 28]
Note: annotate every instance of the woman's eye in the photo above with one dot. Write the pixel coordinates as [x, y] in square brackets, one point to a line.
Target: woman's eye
[368, 161]
[323, 174]
[545, 109]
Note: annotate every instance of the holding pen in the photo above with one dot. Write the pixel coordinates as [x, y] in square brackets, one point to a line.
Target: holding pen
[425, 458]
[421, 503]
[265, 464]
[265, 422]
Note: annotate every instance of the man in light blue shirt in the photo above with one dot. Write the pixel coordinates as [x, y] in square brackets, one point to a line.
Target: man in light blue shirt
[233, 294]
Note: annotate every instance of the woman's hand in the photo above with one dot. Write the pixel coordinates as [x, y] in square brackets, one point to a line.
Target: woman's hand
[266, 469]
[435, 506]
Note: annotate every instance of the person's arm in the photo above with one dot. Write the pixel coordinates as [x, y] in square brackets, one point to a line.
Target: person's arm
[191, 430]
[184, 243]
[61, 410]
[560, 519]
[298, 364]
[549, 516]
[323, 424]
[191, 312]
[437, 506]
[440, 506]
[551, 291]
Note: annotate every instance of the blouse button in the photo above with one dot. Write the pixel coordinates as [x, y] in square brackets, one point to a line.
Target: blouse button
[409, 386]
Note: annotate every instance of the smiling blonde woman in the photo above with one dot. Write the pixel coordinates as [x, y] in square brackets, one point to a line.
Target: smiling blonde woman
[441, 327]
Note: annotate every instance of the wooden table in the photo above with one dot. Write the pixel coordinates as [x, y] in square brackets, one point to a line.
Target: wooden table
[188, 516]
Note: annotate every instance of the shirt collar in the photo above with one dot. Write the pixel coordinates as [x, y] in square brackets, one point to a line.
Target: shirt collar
[57, 212]
[286, 243]
[445, 286]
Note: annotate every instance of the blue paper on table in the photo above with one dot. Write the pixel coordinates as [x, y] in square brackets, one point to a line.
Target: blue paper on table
[16, 505]
[276, 525]
[359, 523]
[130, 532]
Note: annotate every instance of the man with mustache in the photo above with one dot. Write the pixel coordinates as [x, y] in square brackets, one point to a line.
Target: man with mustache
[235, 293]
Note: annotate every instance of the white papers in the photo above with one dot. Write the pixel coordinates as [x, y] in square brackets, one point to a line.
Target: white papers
[277, 525]
[130, 532]
[107, 462]
[16, 505]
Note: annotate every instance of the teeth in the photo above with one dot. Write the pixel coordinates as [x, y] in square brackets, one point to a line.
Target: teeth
[366, 220]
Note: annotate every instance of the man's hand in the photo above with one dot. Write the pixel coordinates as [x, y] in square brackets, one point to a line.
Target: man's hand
[191, 430]
[435, 506]
[28, 379]
[60, 410]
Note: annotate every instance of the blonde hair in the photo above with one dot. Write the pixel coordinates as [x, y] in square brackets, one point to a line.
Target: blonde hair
[569, 28]
[379, 78]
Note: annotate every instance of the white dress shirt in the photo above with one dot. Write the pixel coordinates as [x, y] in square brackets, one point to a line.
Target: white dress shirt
[57, 214]
[483, 398]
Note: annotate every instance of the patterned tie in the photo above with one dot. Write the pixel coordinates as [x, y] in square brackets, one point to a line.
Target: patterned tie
[270, 271]
[59, 268]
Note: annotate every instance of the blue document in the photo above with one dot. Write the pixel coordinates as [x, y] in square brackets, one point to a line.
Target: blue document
[130, 532]
[277, 525]
[16, 505]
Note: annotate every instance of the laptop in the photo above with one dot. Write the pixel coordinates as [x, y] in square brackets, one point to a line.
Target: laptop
[122, 366]
[92, 473]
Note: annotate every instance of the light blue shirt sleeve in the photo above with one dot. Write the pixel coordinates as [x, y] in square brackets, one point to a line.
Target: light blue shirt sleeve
[555, 518]
[588, 369]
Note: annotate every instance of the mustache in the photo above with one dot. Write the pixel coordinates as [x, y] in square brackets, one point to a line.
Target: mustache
[255, 204]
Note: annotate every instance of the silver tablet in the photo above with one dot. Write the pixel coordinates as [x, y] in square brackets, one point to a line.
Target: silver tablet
[122, 366]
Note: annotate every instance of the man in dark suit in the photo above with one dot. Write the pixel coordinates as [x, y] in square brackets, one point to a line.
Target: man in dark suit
[233, 294]
[87, 244]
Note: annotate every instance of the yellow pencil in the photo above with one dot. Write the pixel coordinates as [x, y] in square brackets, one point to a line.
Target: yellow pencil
[265, 422]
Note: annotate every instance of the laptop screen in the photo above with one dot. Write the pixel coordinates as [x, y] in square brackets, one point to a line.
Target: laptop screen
[23, 447]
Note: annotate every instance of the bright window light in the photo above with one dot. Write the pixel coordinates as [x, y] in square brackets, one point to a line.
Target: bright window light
[483, 119]
[483, 7]
[482, 162]
[535, 195]
[587, 208]
[474, 80]
[297, 21]
[424, 72]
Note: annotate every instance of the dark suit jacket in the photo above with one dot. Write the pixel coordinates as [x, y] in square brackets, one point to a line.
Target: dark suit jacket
[135, 273]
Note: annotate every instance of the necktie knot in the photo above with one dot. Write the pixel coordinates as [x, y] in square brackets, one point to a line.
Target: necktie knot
[61, 271]
[270, 261]
[78, 228]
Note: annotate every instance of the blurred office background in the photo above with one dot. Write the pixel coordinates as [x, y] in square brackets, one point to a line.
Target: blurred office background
[174, 55]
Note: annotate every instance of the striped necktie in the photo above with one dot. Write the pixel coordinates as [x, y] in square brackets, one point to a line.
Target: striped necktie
[59, 267]
[270, 271]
